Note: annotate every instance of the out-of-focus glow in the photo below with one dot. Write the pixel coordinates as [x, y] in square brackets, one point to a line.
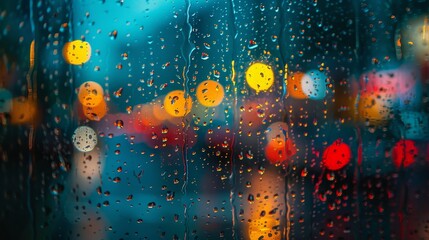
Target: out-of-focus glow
[143, 116]
[277, 130]
[210, 93]
[168, 135]
[392, 81]
[384, 91]
[158, 109]
[313, 84]
[90, 94]
[410, 89]
[5, 101]
[279, 150]
[176, 105]
[89, 166]
[96, 113]
[375, 109]
[84, 139]
[91, 227]
[23, 111]
[404, 153]
[203, 116]
[260, 76]
[337, 155]
[294, 85]
[414, 42]
[402, 84]
[265, 211]
[253, 113]
[8, 72]
[108, 127]
[264, 227]
[77, 52]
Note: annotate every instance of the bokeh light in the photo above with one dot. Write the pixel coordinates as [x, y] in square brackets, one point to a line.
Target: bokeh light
[95, 113]
[415, 37]
[158, 109]
[294, 85]
[375, 109]
[254, 113]
[277, 130]
[260, 76]
[84, 139]
[402, 85]
[404, 153]
[337, 155]
[176, 105]
[279, 150]
[90, 94]
[23, 110]
[77, 52]
[210, 93]
[313, 84]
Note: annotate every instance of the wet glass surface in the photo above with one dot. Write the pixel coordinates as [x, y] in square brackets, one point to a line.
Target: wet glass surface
[213, 119]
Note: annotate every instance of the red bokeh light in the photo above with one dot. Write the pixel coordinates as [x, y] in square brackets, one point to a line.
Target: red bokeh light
[279, 150]
[404, 153]
[337, 155]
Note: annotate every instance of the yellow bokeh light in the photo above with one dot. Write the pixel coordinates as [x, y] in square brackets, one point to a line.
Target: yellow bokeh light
[77, 52]
[90, 94]
[176, 105]
[210, 93]
[260, 76]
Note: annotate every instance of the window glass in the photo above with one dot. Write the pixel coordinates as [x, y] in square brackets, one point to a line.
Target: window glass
[214, 119]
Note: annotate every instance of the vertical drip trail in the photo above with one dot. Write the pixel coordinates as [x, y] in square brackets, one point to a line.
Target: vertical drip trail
[403, 187]
[403, 176]
[234, 127]
[357, 36]
[187, 44]
[356, 180]
[359, 163]
[287, 229]
[282, 49]
[31, 134]
[232, 176]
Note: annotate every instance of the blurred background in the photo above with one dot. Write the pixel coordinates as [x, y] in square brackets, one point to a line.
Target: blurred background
[210, 119]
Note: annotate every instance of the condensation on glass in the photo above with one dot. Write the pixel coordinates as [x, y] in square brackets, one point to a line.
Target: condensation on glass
[210, 119]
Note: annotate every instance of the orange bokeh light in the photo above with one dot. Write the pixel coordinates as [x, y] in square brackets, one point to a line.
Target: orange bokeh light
[96, 113]
[90, 94]
[210, 93]
[294, 85]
